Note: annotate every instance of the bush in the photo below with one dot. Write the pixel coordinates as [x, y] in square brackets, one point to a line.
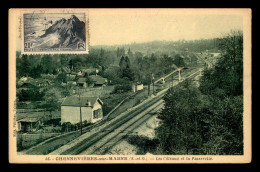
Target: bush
[197, 124]
[50, 129]
[143, 143]
[122, 88]
[32, 94]
[67, 127]
[54, 122]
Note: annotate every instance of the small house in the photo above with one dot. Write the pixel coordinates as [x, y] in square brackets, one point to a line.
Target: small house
[72, 75]
[71, 83]
[26, 86]
[82, 82]
[89, 107]
[66, 70]
[31, 121]
[138, 86]
[42, 82]
[88, 71]
[80, 73]
[98, 80]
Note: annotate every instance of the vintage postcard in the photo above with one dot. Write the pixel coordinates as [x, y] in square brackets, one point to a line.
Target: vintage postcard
[130, 86]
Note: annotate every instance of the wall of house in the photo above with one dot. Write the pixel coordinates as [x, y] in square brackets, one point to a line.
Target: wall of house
[96, 107]
[139, 87]
[72, 114]
[18, 126]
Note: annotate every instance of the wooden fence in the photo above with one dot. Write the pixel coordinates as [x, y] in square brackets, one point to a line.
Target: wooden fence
[25, 141]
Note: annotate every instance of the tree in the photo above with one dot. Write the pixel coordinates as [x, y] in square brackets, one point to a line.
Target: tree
[54, 72]
[216, 116]
[130, 54]
[117, 52]
[127, 62]
[128, 73]
[166, 63]
[223, 127]
[32, 94]
[193, 123]
[24, 67]
[194, 59]
[63, 60]
[122, 63]
[70, 64]
[51, 100]
[23, 95]
[48, 64]
[153, 58]
[138, 55]
[36, 72]
[223, 84]
[61, 77]
[125, 68]
[178, 60]
[179, 130]
[227, 75]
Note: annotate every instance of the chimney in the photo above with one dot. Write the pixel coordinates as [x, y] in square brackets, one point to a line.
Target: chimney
[89, 103]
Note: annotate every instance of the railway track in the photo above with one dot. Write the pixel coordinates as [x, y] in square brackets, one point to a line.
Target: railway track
[94, 138]
[100, 142]
[105, 144]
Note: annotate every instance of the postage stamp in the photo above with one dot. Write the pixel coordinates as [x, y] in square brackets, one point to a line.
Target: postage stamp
[54, 32]
[152, 86]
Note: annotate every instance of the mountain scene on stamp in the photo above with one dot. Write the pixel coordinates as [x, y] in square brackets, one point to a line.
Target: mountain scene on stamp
[62, 33]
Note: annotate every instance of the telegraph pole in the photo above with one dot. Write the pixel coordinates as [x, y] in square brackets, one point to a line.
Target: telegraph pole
[172, 80]
[80, 114]
[153, 82]
[149, 89]
[179, 75]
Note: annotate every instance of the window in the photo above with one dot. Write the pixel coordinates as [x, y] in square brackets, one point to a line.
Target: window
[97, 114]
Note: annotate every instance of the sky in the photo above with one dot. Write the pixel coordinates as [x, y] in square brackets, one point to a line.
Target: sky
[112, 29]
[125, 26]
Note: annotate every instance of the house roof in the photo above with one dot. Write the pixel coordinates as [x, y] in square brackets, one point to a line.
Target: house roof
[30, 119]
[31, 116]
[82, 80]
[73, 73]
[40, 81]
[27, 85]
[74, 101]
[173, 65]
[89, 70]
[35, 116]
[55, 114]
[66, 70]
[98, 79]
[30, 82]
[71, 82]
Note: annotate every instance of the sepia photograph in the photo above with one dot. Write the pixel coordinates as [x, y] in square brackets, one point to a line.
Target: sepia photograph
[130, 86]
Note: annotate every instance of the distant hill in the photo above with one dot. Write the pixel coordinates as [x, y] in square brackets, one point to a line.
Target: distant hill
[166, 46]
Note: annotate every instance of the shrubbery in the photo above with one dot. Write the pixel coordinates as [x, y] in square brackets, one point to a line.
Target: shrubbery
[207, 120]
[143, 143]
[122, 88]
[32, 94]
[67, 126]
